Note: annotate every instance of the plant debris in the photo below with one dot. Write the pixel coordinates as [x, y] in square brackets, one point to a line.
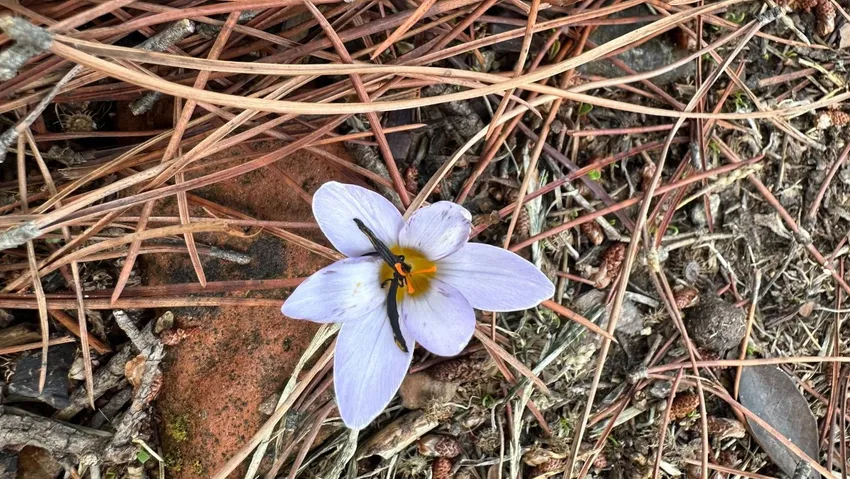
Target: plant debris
[680, 171]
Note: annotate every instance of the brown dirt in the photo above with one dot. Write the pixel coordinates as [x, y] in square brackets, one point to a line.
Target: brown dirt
[236, 357]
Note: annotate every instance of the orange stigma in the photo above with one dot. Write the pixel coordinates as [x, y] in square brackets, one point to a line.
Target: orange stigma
[410, 289]
[413, 268]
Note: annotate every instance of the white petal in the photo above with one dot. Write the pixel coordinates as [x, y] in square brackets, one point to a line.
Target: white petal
[345, 290]
[437, 230]
[368, 368]
[336, 205]
[494, 279]
[440, 319]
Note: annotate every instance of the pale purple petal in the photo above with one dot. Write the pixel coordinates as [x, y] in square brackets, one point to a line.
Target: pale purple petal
[494, 279]
[368, 368]
[440, 319]
[437, 230]
[336, 205]
[345, 290]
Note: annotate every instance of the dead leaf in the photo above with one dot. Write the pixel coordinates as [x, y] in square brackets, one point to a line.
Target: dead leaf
[134, 369]
[807, 308]
[772, 222]
[773, 396]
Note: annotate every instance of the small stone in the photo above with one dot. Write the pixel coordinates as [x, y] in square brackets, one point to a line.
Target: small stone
[692, 271]
[8, 465]
[401, 141]
[268, 406]
[652, 54]
[716, 325]
[631, 320]
[698, 217]
[164, 323]
[24, 382]
[844, 33]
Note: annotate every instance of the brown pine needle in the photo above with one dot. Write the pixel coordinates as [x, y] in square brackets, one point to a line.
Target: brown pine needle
[36, 284]
[573, 316]
[420, 11]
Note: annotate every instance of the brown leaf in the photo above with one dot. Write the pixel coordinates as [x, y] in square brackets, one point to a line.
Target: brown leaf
[773, 396]
[134, 369]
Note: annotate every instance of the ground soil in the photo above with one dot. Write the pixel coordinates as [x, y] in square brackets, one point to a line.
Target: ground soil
[235, 357]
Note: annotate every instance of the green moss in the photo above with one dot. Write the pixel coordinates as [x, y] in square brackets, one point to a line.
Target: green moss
[178, 428]
[198, 468]
[173, 461]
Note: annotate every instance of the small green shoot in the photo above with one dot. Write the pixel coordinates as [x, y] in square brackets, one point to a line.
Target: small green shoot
[142, 455]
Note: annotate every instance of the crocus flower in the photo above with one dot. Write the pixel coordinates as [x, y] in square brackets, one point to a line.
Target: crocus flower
[402, 283]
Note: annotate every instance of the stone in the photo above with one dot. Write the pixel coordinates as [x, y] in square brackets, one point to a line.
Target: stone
[698, 217]
[8, 466]
[650, 55]
[24, 382]
[399, 142]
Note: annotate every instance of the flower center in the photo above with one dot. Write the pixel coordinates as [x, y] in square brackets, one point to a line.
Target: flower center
[418, 279]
